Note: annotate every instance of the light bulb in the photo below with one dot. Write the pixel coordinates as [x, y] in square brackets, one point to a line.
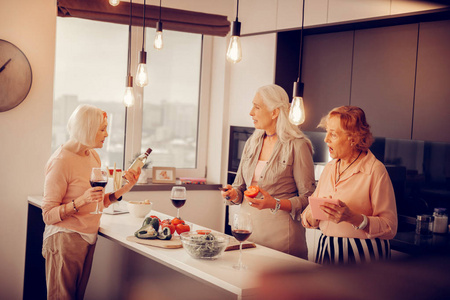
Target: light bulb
[114, 2]
[234, 53]
[128, 97]
[142, 75]
[158, 44]
[297, 111]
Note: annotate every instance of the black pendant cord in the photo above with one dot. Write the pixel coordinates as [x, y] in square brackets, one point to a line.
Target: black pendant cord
[160, 10]
[300, 63]
[339, 165]
[237, 9]
[129, 39]
[143, 29]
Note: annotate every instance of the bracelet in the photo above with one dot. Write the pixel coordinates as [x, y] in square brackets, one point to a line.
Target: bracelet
[277, 206]
[74, 207]
[112, 197]
[363, 223]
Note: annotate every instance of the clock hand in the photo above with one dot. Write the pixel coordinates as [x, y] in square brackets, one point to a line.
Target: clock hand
[3, 67]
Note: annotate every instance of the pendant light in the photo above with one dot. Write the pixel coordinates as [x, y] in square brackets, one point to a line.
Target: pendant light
[297, 110]
[234, 52]
[114, 2]
[128, 98]
[142, 74]
[158, 44]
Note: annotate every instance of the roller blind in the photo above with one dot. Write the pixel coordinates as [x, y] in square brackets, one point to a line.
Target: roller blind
[173, 19]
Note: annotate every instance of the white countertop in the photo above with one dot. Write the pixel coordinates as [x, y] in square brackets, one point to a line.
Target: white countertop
[217, 272]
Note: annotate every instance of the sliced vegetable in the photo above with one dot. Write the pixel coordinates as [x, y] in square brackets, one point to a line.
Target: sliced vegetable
[164, 234]
[203, 231]
[252, 191]
[168, 224]
[146, 232]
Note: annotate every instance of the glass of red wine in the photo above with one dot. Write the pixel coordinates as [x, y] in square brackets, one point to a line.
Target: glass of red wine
[99, 177]
[178, 198]
[241, 228]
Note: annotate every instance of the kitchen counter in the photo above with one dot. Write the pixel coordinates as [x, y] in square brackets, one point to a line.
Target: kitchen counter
[218, 273]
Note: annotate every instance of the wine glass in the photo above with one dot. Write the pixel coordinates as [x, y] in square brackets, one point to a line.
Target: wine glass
[99, 177]
[241, 228]
[178, 198]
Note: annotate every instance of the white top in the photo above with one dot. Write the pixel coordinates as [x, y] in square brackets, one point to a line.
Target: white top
[218, 272]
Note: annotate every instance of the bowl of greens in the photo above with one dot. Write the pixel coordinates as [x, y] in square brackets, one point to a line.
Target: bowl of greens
[204, 245]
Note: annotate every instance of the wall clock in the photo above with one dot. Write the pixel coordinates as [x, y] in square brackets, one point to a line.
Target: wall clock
[15, 76]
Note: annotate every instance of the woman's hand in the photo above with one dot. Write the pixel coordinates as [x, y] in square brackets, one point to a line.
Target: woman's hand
[307, 215]
[265, 202]
[93, 195]
[338, 213]
[132, 177]
[230, 192]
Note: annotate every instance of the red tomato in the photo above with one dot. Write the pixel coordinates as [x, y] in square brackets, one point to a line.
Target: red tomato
[156, 217]
[180, 228]
[176, 221]
[252, 191]
[170, 225]
[203, 231]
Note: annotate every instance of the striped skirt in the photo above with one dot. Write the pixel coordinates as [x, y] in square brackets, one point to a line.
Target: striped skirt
[341, 250]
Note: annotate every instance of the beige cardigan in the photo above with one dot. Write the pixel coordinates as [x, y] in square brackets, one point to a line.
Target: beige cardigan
[289, 174]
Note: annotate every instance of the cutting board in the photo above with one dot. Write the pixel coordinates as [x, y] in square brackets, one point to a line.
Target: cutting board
[173, 243]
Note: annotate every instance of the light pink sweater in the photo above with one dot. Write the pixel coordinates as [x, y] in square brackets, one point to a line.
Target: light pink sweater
[67, 177]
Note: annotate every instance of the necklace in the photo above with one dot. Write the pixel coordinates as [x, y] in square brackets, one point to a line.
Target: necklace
[339, 166]
[271, 135]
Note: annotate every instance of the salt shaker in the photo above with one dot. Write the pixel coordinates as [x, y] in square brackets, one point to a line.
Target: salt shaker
[440, 223]
[424, 224]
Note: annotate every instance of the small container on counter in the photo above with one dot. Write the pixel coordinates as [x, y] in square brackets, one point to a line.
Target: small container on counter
[424, 224]
[440, 223]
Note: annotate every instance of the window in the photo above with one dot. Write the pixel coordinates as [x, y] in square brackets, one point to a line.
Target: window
[168, 117]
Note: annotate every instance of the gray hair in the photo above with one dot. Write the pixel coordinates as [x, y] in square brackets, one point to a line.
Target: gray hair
[274, 96]
[84, 123]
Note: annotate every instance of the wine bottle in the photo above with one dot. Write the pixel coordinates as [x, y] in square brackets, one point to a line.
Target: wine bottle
[139, 162]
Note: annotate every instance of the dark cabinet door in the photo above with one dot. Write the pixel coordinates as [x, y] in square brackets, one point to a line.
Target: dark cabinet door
[432, 101]
[383, 78]
[327, 66]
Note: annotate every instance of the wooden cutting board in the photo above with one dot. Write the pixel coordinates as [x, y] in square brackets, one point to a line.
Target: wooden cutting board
[173, 243]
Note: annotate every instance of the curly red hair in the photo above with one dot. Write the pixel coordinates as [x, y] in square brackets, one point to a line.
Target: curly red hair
[353, 122]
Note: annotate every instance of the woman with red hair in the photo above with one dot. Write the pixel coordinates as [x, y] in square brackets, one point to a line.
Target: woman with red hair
[357, 228]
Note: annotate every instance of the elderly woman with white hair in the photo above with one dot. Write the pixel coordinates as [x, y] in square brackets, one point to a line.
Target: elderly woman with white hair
[278, 159]
[70, 229]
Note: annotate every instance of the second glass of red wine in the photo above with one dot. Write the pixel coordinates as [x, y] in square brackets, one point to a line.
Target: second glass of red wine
[241, 228]
[178, 197]
[99, 177]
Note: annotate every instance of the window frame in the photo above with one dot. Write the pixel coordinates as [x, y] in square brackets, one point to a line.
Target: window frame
[134, 117]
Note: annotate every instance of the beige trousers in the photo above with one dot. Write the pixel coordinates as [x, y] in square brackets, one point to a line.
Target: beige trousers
[68, 262]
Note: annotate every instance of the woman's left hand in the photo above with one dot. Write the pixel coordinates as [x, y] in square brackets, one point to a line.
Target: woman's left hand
[337, 213]
[132, 176]
[265, 202]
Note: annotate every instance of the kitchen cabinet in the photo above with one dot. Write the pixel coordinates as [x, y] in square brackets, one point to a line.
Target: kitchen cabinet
[326, 74]
[383, 78]
[432, 98]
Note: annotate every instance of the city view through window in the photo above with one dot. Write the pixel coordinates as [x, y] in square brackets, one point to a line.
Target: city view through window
[90, 68]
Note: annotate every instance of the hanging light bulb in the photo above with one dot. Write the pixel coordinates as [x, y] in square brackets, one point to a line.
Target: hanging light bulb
[297, 110]
[141, 73]
[158, 44]
[114, 2]
[128, 97]
[234, 52]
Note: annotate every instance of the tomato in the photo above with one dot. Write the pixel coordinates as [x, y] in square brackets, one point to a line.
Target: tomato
[170, 225]
[156, 218]
[176, 221]
[252, 191]
[203, 231]
[180, 228]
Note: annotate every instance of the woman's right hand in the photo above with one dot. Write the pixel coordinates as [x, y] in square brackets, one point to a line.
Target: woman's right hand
[230, 193]
[93, 195]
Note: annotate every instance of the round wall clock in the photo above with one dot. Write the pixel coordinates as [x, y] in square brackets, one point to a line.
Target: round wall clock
[15, 76]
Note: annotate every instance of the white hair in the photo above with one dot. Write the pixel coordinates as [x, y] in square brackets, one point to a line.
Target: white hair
[84, 124]
[274, 96]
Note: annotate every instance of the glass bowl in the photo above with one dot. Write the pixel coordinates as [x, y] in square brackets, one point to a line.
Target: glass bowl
[204, 246]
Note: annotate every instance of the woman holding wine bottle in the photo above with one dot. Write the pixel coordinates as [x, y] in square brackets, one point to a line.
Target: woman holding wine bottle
[278, 159]
[70, 227]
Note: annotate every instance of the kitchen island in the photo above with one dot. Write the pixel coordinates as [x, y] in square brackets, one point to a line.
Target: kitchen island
[212, 275]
